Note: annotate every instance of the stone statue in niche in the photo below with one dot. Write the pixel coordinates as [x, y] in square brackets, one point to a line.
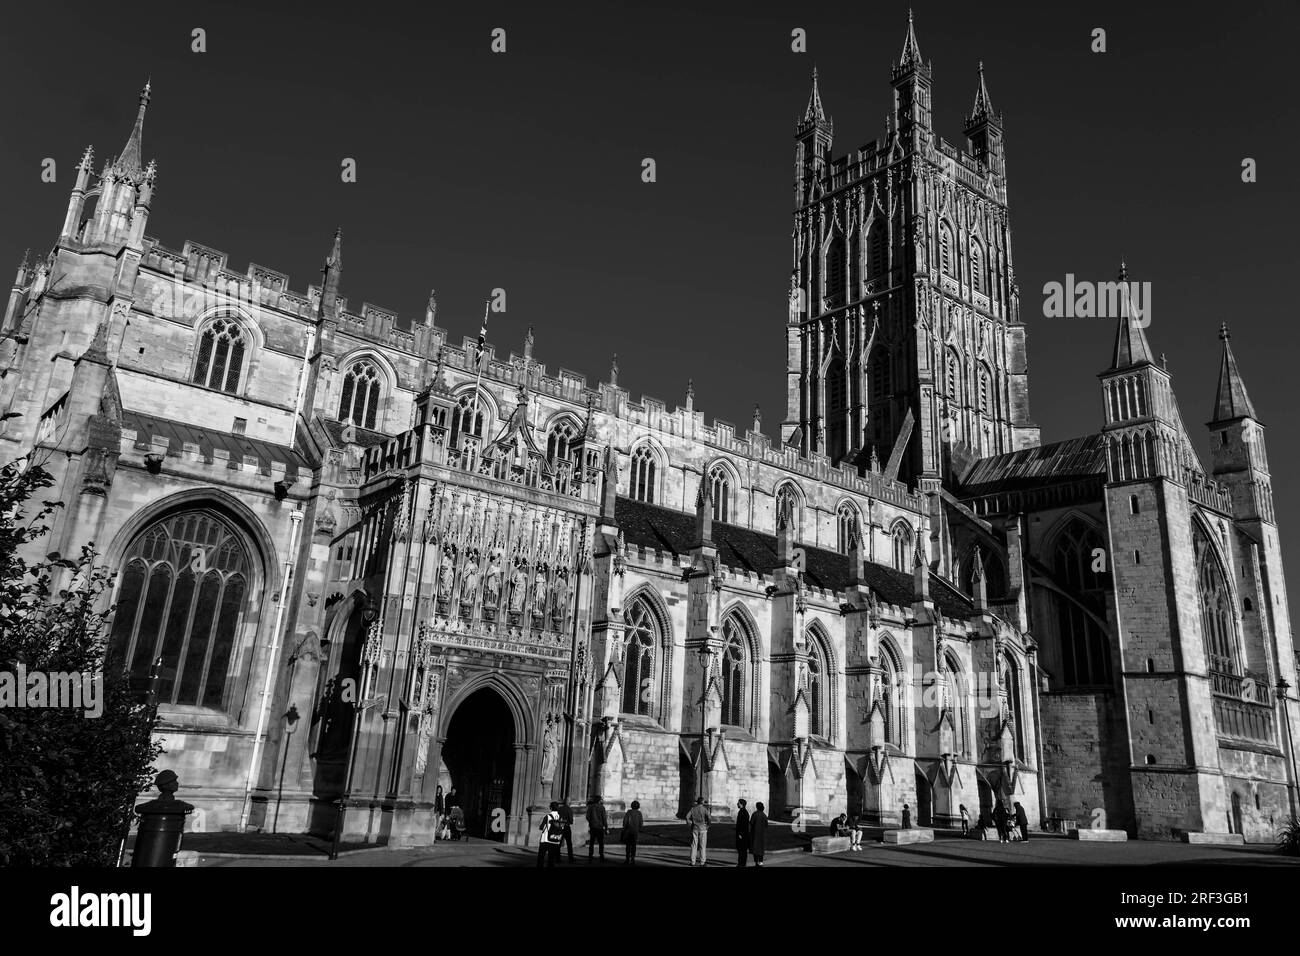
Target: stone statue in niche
[492, 584]
[446, 574]
[539, 593]
[550, 748]
[518, 589]
[469, 580]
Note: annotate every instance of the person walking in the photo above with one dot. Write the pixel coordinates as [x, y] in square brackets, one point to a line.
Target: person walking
[632, 824]
[596, 823]
[907, 817]
[742, 834]
[965, 820]
[1022, 821]
[566, 816]
[552, 832]
[758, 833]
[1000, 821]
[699, 821]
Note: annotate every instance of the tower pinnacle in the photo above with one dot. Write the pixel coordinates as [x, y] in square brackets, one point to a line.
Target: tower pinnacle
[128, 161]
[1230, 399]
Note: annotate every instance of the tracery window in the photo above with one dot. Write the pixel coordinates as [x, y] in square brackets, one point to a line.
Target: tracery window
[562, 444]
[220, 361]
[720, 491]
[946, 262]
[817, 722]
[1085, 657]
[467, 419]
[846, 527]
[641, 480]
[639, 660]
[1217, 618]
[735, 671]
[183, 597]
[902, 547]
[787, 505]
[359, 402]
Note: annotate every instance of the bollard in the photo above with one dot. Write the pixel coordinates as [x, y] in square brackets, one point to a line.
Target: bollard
[162, 821]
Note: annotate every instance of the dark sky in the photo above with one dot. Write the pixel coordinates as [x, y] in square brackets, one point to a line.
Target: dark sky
[522, 170]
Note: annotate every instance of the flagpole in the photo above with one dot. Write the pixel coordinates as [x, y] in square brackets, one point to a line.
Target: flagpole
[478, 379]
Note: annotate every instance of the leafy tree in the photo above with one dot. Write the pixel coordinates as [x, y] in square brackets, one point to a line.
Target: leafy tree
[67, 780]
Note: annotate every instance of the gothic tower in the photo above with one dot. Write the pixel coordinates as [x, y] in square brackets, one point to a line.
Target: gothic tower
[904, 336]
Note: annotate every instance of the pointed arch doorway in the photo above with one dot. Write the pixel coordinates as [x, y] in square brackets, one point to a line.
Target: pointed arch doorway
[478, 757]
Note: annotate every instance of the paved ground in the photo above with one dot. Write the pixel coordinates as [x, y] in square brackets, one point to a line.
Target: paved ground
[1039, 851]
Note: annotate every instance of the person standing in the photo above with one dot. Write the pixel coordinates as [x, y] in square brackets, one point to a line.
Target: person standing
[699, 821]
[437, 812]
[907, 817]
[1022, 821]
[632, 824]
[566, 817]
[596, 823]
[742, 834]
[1000, 821]
[965, 820]
[552, 832]
[758, 833]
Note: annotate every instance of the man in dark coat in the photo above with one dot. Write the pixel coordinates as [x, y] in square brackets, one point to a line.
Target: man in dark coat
[758, 833]
[1022, 821]
[566, 814]
[742, 834]
[596, 823]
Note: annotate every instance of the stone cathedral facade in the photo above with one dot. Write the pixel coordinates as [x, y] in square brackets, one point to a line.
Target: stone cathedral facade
[362, 558]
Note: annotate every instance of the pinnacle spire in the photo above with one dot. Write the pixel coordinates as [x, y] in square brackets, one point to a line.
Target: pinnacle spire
[815, 113]
[1230, 399]
[128, 161]
[983, 108]
[1131, 346]
[911, 49]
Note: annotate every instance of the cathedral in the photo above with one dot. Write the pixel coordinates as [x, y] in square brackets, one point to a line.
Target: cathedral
[359, 561]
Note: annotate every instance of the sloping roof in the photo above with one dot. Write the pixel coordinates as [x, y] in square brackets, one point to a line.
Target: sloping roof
[650, 526]
[150, 429]
[1061, 461]
[365, 437]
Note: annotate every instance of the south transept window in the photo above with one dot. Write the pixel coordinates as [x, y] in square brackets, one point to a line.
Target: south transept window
[1085, 656]
[183, 597]
[639, 660]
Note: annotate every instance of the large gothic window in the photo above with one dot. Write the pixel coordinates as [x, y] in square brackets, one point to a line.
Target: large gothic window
[1217, 618]
[735, 668]
[894, 699]
[818, 725]
[359, 402]
[902, 547]
[846, 527]
[720, 491]
[977, 267]
[876, 250]
[835, 267]
[1012, 685]
[958, 703]
[641, 480]
[183, 596]
[639, 660]
[1085, 657]
[220, 360]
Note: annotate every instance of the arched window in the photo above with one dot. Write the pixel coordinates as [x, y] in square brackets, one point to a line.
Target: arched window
[1085, 657]
[359, 402]
[879, 414]
[957, 701]
[817, 722]
[787, 505]
[846, 526]
[639, 660]
[183, 597]
[720, 491]
[466, 419]
[876, 250]
[902, 547]
[1217, 619]
[977, 266]
[220, 361]
[946, 261]
[735, 668]
[952, 375]
[835, 267]
[1012, 685]
[893, 695]
[562, 444]
[641, 480]
[985, 389]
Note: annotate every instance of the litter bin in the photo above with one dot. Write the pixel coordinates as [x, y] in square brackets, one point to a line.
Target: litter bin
[162, 821]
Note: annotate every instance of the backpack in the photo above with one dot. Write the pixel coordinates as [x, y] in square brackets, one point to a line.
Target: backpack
[554, 830]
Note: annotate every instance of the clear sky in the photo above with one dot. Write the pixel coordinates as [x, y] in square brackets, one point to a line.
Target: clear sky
[522, 170]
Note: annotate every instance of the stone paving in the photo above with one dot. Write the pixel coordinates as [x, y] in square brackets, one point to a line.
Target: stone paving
[1040, 851]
